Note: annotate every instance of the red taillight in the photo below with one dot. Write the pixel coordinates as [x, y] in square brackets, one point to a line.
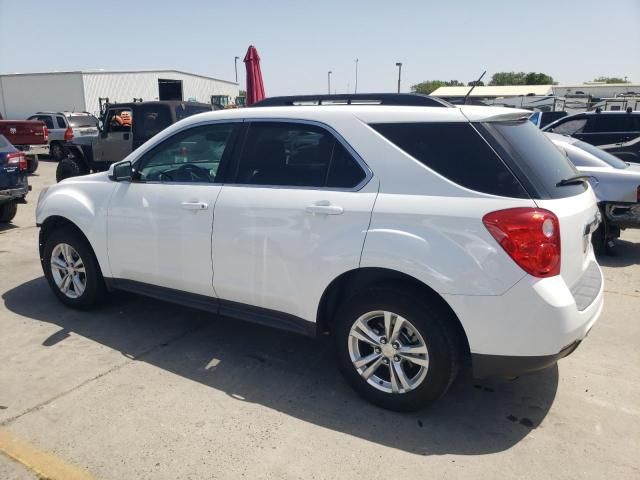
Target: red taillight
[17, 159]
[638, 194]
[531, 237]
[68, 134]
[46, 134]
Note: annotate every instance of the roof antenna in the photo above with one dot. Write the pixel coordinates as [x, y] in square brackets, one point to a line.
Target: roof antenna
[466, 97]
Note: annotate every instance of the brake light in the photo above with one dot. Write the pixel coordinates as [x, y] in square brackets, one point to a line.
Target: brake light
[68, 134]
[531, 237]
[46, 134]
[18, 160]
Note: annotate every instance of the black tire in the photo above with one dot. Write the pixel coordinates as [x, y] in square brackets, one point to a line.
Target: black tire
[32, 164]
[70, 167]
[8, 211]
[57, 151]
[435, 325]
[95, 290]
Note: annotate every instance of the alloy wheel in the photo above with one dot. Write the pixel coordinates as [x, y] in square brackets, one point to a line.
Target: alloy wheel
[388, 352]
[68, 271]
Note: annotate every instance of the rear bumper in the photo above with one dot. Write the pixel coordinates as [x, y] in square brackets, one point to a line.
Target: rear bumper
[34, 149]
[531, 326]
[10, 194]
[623, 215]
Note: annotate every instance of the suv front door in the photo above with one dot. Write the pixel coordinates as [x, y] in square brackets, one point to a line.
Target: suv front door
[293, 218]
[160, 223]
[116, 139]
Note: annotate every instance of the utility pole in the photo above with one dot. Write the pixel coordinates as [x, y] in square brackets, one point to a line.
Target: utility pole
[329, 82]
[356, 88]
[399, 65]
[235, 61]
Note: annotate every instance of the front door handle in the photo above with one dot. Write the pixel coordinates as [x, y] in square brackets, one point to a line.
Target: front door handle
[325, 208]
[194, 205]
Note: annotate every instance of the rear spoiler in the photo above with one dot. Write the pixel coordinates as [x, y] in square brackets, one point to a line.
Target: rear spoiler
[486, 116]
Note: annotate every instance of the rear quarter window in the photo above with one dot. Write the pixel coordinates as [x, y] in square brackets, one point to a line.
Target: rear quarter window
[457, 152]
[533, 157]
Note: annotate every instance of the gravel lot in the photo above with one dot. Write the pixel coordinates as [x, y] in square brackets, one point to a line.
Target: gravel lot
[144, 389]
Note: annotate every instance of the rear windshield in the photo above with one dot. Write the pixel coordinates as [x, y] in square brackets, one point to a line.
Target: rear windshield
[77, 121]
[535, 160]
[3, 142]
[615, 162]
[184, 111]
[456, 151]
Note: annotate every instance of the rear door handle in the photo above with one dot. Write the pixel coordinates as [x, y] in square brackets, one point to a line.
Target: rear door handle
[194, 205]
[324, 208]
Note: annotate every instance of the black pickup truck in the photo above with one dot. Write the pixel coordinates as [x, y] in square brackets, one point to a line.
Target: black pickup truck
[123, 128]
[14, 185]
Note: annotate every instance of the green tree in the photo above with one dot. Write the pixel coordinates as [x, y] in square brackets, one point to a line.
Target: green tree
[429, 86]
[610, 80]
[243, 93]
[521, 78]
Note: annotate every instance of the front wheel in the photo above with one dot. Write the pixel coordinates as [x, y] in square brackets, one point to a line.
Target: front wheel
[397, 351]
[72, 270]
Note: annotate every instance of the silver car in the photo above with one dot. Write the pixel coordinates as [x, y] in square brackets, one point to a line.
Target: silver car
[616, 184]
[63, 127]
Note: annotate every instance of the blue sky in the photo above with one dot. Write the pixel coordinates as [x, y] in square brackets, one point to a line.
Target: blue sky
[299, 41]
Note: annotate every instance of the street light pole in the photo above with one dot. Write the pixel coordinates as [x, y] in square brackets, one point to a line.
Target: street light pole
[235, 61]
[356, 88]
[329, 82]
[399, 65]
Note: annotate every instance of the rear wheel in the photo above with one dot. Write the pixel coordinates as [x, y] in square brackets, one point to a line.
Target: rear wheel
[8, 211]
[56, 150]
[397, 351]
[70, 167]
[32, 164]
[72, 270]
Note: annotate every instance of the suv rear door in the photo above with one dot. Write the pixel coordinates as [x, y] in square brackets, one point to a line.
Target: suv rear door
[291, 219]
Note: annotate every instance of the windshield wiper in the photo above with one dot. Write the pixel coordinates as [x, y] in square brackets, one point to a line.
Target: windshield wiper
[575, 180]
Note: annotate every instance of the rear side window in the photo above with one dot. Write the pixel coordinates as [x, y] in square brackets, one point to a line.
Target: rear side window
[608, 123]
[61, 123]
[46, 119]
[296, 155]
[457, 152]
[534, 158]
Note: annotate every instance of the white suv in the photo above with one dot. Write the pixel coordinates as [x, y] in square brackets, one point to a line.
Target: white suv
[422, 239]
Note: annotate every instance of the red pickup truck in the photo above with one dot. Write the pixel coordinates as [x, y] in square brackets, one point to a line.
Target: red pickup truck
[29, 136]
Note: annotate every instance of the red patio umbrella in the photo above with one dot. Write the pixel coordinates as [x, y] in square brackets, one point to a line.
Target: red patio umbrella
[255, 88]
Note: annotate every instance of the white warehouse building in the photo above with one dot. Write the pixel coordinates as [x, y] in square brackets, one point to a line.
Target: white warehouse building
[23, 94]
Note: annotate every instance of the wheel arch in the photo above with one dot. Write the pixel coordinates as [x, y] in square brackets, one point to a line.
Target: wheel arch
[53, 223]
[357, 280]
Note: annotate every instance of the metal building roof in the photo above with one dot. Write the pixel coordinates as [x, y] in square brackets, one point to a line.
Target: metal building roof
[494, 91]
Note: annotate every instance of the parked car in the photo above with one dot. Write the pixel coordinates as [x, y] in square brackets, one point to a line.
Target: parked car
[616, 184]
[542, 119]
[626, 151]
[63, 126]
[125, 126]
[14, 185]
[598, 128]
[422, 239]
[28, 136]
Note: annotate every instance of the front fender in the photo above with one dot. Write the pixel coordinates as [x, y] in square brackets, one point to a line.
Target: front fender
[71, 201]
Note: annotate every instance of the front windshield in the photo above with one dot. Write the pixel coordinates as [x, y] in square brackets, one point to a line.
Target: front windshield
[612, 160]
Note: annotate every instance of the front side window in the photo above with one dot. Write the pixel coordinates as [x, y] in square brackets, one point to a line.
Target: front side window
[603, 123]
[296, 155]
[44, 118]
[191, 156]
[119, 120]
[570, 127]
[152, 119]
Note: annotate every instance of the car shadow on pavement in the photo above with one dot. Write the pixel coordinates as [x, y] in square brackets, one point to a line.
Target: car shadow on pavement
[292, 374]
[624, 254]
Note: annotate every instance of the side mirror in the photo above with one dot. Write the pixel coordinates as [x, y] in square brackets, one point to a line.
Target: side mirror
[121, 172]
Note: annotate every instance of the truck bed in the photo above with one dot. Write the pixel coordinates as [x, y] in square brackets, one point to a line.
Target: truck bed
[24, 132]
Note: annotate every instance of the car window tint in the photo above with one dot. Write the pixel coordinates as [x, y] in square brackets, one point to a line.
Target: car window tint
[185, 110]
[634, 123]
[285, 154]
[153, 119]
[191, 156]
[47, 121]
[457, 152]
[3, 142]
[83, 121]
[580, 158]
[609, 123]
[344, 172]
[61, 123]
[606, 157]
[534, 156]
[570, 127]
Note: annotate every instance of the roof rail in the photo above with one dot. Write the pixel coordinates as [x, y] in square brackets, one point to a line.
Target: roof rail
[404, 99]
